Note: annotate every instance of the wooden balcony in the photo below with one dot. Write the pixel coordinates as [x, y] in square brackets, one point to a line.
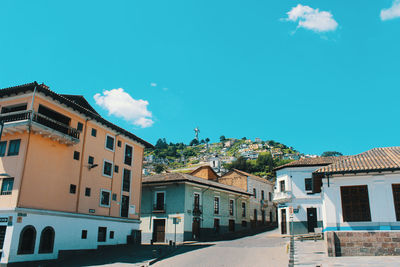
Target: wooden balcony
[20, 121]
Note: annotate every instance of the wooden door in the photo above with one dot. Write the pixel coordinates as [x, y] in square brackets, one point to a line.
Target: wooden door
[196, 228]
[159, 230]
[231, 225]
[124, 206]
[311, 219]
[283, 222]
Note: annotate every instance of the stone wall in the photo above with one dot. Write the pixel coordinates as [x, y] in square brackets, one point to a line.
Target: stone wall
[363, 243]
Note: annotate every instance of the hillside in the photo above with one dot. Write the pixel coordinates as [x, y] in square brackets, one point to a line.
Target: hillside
[254, 156]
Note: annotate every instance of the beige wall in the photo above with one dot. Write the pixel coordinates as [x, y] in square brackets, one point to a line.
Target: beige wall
[205, 173]
[234, 179]
[50, 168]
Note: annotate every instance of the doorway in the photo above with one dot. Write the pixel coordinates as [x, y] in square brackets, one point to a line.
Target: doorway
[283, 222]
[159, 230]
[125, 206]
[311, 219]
[231, 225]
[196, 228]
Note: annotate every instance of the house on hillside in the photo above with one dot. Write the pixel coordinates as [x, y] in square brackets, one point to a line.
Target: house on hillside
[262, 209]
[215, 163]
[70, 180]
[295, 197]
[196, 208]
[361, 203]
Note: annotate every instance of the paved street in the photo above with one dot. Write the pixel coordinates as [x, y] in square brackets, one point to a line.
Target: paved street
[265, 249]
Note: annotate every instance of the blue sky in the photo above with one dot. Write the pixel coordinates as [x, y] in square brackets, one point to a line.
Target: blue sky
[324, 76]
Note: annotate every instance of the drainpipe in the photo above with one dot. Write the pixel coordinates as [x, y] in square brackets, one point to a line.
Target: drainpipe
[81, 165]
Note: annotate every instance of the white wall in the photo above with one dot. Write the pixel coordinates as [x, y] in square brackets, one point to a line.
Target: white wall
[68, 230]
[383, 216]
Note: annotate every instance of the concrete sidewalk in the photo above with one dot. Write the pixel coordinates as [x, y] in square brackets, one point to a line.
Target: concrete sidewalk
[314, 253]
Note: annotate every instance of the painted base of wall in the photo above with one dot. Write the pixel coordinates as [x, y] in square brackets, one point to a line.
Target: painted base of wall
[68, 232]
[363, 243]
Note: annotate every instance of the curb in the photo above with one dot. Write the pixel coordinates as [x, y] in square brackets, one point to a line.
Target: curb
[291, 253]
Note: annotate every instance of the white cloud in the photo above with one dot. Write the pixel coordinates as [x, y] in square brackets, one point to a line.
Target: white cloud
[312, 19]
[165, 89]
[391, 12]
[153, 84]
[120, 104]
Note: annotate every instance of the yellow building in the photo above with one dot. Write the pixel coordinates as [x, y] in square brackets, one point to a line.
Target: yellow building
[69, 178]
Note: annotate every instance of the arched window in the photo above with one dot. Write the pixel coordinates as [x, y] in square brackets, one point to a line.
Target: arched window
[27, 240]
[47, 240]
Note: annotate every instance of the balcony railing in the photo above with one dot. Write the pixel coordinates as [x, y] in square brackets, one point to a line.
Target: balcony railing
[41, 119]
[197, 210]
[280, 197]
[159, 208]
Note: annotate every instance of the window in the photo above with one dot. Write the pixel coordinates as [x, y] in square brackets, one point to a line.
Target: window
[355, 203]
[282, 185]
[126, 183]
[105, 198]
[27, 240]
[114, 197]
[79, 127]
[84, 234]
[14, 108]
[128, 155]
[308, 184]
[102, 234]
[110, 142]
[3, 145]
[107, 168]
[255, 215]
[231, 207]
[396, 199]
[254, 193]
[7, 186]
[243, 209]
[111, 234]
[269, 196]
[262, 194]
[72, 189]
[160, 201]
[119, 143]
[216, 205]
[47, 240]
[196, 203]
[76, 155]
[94, 132]
[116, 168]
[91, 160]
[13, 148]
[87, 191]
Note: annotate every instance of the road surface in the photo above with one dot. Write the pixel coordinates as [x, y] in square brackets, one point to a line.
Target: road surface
[266, 249]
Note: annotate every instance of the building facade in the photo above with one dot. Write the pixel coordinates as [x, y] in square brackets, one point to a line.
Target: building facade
[361, 203]
[69, 178]
[262, 209]
[178, 207]
[299, 208]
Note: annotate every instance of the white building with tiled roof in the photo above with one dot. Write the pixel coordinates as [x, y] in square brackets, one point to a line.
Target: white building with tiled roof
[361, 203]
[299, 209]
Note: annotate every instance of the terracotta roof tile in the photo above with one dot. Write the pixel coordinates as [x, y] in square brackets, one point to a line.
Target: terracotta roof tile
[319, 161]
[377, 159]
